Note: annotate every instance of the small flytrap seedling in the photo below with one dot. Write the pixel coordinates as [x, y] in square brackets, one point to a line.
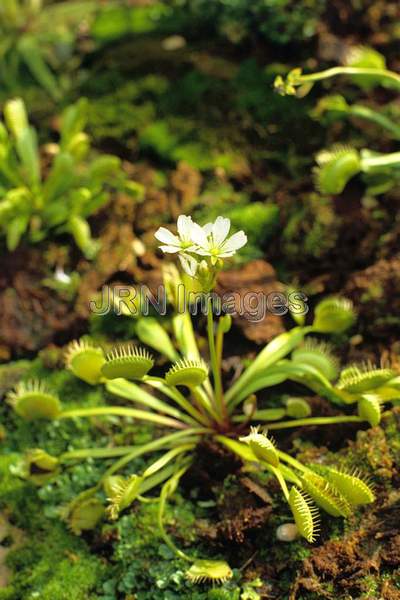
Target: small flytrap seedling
[36, 199]
[190, 403]
[337, 165]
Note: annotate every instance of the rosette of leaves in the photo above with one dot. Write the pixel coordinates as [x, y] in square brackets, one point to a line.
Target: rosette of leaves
[187, 404]
[36, 200]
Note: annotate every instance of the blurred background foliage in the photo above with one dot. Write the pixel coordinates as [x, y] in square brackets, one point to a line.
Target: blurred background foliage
[181, 92]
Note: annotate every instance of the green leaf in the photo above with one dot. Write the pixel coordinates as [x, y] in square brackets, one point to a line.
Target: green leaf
[353, 488]
[102, 169]
[16, 117]
[60, 178]
[335, 169]
[73, 121]
[15, 230]
[273, 376]
[33, 58]
[334, 315]
[132, 392]
[305, 514]
[151, 333]
[28, 152]
[128, 362]
[319, 355]
[325, 495]
[184, 333]
[369, 408]
[80, 230]
[272, 353]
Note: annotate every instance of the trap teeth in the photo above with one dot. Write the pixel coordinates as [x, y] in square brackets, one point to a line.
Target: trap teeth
[357, 379]
[187, 372]
[85, 361]
[319, 355]
[326, 495]
[121, 493]
[127, 362]
[354, 488]
[262, 446]
[333, 315]
[369, 408]
[305, 514]
[214, 571]
[83, 513]
[34, 400]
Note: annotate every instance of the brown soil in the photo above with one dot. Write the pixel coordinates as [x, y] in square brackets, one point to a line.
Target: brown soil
[376, 290]
[31, 315]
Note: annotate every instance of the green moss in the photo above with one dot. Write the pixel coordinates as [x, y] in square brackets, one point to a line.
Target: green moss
[312, 227]
[51, 564]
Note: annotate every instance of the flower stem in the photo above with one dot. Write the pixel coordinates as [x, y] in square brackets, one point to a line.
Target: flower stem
[216, 369]
[219, 344]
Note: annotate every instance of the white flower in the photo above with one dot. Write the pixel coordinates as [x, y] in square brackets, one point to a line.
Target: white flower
[189, 264]
[61, 276]
[182, 241]
[212, 239]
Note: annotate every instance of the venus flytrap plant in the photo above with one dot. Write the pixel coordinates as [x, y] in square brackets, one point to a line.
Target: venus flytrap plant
[34, 400]
[188, 403]
[37, 466]
[365, 66]
[337, 165]
[35, 200]
[336, 107]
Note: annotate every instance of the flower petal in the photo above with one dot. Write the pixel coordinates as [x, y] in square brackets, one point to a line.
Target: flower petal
[164, 235]
[185, 225]
[203, 251]
[226, 254]
[189, 264]
[220, 230]
[236, 241]
[170, 249]
[199, 236]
